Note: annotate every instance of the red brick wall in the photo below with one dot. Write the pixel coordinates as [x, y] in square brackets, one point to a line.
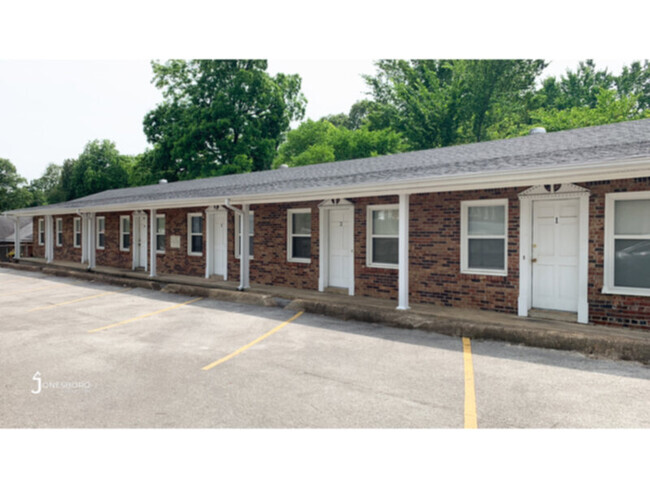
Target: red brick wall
[67, 252]
[177, 261]
[611, 309]
[111, 254]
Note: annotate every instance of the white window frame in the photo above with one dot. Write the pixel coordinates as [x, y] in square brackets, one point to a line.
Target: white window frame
[610, 237]
[369, 236]
[99, 232]
[122, 233]
[464, 236]
[290, 234]
[251, 233]
[58, 231]
[41, 232]
[163, 233]
[75, 221]
[190, 234]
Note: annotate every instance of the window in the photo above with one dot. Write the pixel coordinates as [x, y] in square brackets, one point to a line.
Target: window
[41, 233]
[59, 232]
[195, 234]
[160, 233]
[627, 243]
[77, 231]
[383, 239]
[125, 233]
[251, 233]
[484, 236]
[101, 232]
[299, 235]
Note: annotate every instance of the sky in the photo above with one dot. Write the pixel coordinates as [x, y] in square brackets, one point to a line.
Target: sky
[50, 109]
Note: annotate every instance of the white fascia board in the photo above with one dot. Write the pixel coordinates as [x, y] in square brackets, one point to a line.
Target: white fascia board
[576, 173]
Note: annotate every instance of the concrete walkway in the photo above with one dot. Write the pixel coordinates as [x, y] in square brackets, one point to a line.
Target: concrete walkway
[609, 342]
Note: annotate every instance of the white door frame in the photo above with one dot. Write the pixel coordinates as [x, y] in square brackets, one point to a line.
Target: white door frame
[324, 256]
[553, 192]
[139, 241]
[211, 214]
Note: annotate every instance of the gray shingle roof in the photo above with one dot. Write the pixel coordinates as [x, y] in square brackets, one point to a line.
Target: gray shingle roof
[539, 151]
[7, 233]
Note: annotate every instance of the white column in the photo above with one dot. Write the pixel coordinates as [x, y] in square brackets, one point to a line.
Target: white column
[92, 238]
[16, 237]
[152, 242]
[403, 253]
[84, 238]
[583, 264]
[244, 258]
[209, 244]
[525, 248]
[49, 234]
[323, 248]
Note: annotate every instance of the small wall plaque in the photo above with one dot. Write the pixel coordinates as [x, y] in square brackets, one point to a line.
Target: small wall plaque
[175, 242]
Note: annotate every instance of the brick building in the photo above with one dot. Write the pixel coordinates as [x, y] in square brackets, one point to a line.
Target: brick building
[557, 221]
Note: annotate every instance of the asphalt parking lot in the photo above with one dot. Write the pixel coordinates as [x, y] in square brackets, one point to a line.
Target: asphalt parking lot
[89, 354]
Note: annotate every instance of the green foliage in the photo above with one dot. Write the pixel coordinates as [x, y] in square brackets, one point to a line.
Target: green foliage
[608, 110]
[47, 189]
[13, 193]
[219, 117]
[99, 167]
[321, 142]
[635, 80]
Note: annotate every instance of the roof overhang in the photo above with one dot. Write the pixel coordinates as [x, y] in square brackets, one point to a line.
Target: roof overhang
[575, 173]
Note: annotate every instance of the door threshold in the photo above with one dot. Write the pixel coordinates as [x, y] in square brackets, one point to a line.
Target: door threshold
[557, 315]
[337, 290]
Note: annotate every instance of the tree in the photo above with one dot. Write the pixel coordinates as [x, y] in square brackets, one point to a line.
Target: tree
[219, 117]
[322, 142]
[13, 194]
[47, 189]
[438, 103]
[609, 109]
[99, 167]
[635, 80]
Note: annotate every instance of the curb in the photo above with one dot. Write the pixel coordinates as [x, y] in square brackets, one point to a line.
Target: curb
[588, 342]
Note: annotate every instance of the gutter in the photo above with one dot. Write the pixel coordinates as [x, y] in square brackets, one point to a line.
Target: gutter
[576, 173]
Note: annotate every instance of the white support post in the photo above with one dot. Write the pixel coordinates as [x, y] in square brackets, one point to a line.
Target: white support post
[16, 238]
[525, 263]
[91, 240]
[49, 234]
[244, 273]
[152, 242]
[209, 244]
[84, 237]
[403, 253]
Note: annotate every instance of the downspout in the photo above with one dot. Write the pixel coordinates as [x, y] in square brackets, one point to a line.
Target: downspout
[244, 279]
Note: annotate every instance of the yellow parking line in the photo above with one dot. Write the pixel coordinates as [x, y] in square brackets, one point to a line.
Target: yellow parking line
[470, 392]
[146, 315]
[35, 289]
[250, 344]
[78, 300]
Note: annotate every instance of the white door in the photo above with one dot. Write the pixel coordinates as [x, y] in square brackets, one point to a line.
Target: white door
[341, 252]
[555, 254]
[140, 241]
[220, 243]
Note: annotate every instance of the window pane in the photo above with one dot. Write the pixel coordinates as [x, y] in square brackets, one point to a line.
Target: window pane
[101, 240]
[160, 225]
[250, 246]
[77, 239]
[197, 225]
[486, 254]
[301, 247]
[126, 226]
[632, 217]
[385, 222]
[160, 243]
[126, 241]
[251, 223]
[632, 263]
[487, 221]
[301, 223]
[384, 250]
[77, 225]
[100, 225]
[197, 244]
